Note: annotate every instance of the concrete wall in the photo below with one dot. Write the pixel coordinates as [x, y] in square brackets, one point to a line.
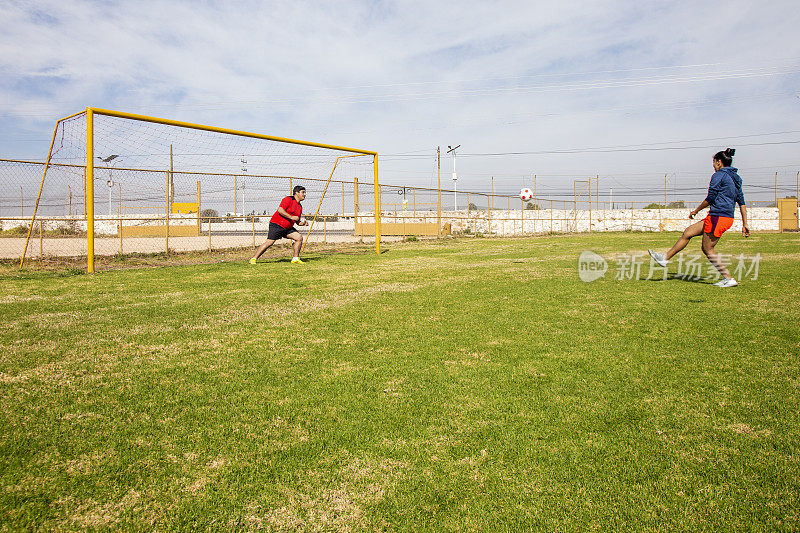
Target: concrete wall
[545, 220]
[502, 222]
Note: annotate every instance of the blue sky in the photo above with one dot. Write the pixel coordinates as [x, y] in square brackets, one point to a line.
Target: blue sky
[524, 87]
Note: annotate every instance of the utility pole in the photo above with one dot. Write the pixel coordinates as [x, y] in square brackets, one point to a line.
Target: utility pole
[452, 150]
[110, 184]
[590, 204]
[489, 210]
[439, 188]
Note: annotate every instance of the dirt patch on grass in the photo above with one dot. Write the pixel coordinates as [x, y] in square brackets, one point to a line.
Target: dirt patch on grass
[416, 264]
[91, 515]
[744, 429]
[85, 365]
[52, 321]
[381, 471]
[338, 368]
[284, 435]
[330, 510]
[475, 465]
[470, 359]
[87, 463]
[207, 473]
[14, 298]
[341, 503]
[335, 301]
[7, 379]
[394, 387]
[51, 373]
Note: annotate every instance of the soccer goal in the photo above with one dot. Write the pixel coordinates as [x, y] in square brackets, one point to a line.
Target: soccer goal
[130, 177]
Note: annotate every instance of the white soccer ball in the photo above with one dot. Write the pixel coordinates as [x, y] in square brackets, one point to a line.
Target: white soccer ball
[525, 194]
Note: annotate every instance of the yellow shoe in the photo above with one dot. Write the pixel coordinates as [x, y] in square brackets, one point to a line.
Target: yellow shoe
[252, 260]
[297, 260]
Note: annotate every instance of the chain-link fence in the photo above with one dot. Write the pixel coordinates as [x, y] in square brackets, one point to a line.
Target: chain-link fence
[480, 213]
[138, 211]
[147, 211]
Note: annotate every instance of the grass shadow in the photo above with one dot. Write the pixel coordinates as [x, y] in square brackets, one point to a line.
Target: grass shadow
[288, 260]
[679, 277]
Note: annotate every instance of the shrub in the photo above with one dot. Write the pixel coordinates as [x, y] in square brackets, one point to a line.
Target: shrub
[67, 231]
[19, 230]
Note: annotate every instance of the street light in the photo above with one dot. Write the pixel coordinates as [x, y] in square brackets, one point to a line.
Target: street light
[244, 173]
[452, 150]
[110, 181]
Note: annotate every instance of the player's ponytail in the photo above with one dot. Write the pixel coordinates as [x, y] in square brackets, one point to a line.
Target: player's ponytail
[725, 157]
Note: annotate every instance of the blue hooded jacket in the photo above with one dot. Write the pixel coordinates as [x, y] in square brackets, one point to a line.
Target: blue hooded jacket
[724, 192]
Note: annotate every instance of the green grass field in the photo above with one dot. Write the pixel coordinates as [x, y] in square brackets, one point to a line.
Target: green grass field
[471, 384]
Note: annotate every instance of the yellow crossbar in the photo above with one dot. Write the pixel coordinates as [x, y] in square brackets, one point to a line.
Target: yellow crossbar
[169, 122]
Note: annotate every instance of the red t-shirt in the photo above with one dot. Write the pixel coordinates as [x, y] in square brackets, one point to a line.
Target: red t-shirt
[291, 206]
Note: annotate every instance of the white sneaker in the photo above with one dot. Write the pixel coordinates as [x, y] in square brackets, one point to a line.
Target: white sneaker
[730, 282]
[658, 258]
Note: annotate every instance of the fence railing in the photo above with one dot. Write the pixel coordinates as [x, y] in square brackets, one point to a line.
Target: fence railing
[143, 212]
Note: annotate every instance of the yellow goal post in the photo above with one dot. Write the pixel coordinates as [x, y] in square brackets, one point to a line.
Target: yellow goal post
[146, 158]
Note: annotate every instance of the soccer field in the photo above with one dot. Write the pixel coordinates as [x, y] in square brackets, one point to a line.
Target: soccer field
[472, 384]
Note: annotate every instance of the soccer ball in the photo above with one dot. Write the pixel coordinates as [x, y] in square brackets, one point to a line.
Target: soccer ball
[525, 195]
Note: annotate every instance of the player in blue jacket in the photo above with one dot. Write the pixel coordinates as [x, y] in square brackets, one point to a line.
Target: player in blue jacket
[724, 192]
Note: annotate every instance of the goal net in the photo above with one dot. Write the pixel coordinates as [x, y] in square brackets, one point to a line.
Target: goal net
[118, 183]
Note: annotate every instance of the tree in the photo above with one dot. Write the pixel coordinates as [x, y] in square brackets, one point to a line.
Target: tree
[208, 213]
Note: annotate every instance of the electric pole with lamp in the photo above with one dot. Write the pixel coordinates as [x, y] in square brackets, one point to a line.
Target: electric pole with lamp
[452, 150]
[110, 181]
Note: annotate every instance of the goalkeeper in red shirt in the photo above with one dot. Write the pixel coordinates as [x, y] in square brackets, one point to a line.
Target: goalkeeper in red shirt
[281, 225]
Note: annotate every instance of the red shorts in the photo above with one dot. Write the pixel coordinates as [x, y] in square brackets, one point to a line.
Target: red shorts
[717, 225]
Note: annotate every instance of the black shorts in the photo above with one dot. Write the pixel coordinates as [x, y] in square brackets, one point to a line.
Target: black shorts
[277, 232]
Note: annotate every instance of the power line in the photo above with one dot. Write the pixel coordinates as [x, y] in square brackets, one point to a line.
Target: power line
[608, 150]
[604, 149]
[518, 89]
